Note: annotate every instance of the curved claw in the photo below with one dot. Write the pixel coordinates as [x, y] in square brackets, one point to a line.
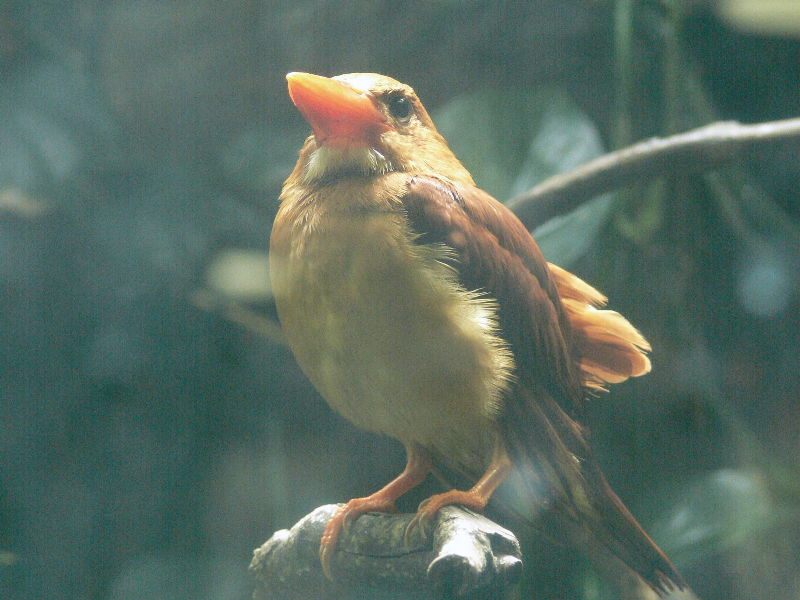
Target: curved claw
[342, 520]
[428, 508]
[418, 523]
[347, 520]
[326, 546]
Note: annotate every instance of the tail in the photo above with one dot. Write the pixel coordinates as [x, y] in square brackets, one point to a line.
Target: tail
[607, 347]
[565, 475]
[608, 350]
[611, 524]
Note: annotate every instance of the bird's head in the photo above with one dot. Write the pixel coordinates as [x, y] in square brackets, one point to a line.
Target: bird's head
[365, 124]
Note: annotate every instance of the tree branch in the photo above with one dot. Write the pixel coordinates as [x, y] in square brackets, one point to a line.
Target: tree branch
[464, 556]
[701, 149]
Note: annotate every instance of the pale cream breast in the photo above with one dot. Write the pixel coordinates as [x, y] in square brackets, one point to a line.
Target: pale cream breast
[385, 332]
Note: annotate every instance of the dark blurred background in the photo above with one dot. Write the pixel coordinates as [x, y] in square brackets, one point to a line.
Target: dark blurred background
[154, 429]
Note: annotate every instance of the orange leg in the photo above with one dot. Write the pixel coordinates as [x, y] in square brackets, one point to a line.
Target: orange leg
[475, 498]
[418, 465]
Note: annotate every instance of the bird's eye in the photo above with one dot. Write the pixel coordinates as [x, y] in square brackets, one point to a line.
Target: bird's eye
[399, 107]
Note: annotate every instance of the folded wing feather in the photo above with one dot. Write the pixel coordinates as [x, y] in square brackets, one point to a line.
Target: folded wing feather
[609, 349]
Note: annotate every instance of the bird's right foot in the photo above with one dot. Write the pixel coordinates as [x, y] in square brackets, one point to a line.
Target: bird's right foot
[341, 521]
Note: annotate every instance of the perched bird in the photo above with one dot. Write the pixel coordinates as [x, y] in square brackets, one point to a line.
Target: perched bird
[421, 308]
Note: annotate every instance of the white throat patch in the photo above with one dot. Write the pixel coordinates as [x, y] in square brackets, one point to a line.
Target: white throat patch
[361, 160]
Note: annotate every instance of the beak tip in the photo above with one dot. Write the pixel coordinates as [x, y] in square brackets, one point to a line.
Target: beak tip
[293, 80]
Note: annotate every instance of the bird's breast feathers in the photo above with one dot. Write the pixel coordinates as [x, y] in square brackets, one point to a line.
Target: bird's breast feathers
[380, 323]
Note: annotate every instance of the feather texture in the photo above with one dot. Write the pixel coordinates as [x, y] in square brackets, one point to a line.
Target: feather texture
[607, 347]
[563, 346]
[421, 307]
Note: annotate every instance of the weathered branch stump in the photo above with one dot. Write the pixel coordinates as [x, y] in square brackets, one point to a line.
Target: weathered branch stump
[464, 555]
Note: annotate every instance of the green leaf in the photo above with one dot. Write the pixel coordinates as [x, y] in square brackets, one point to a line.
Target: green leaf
[489, 131]
[513, 139]
[565, 239]
[721, 510]
[565, 139]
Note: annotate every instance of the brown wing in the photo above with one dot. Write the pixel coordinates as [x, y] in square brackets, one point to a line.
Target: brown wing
[495, 254]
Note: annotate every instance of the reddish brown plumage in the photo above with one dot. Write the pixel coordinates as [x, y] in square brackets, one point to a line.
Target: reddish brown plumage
[608, 348]
[562, 346]
[411, 201]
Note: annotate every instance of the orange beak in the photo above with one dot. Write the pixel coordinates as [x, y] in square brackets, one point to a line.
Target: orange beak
[337, 112]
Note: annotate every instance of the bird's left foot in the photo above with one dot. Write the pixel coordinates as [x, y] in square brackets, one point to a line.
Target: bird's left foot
[428, 508]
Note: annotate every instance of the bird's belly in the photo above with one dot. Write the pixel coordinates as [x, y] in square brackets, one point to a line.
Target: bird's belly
[390, 339]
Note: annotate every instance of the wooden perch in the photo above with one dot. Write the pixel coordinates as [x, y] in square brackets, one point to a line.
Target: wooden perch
[465, 555]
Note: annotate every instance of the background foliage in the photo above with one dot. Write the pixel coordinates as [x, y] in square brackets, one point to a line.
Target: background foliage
[153, 427]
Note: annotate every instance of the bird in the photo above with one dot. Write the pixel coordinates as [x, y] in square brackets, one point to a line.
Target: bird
[421, 308]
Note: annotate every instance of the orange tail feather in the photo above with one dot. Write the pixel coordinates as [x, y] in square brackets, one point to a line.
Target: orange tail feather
[608, 347]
